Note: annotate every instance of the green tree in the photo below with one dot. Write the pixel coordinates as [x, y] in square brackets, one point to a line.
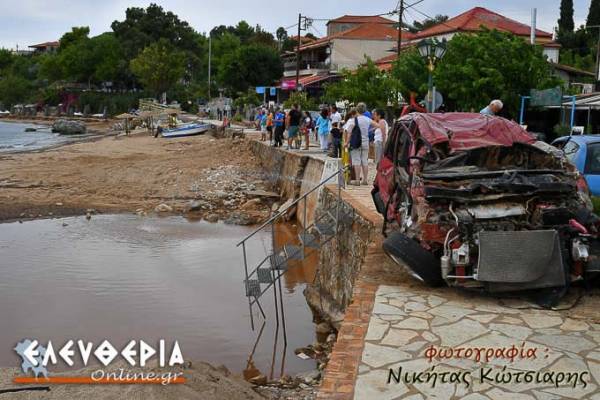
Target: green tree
[411, 73]
[14, 90]
[77, 34]
[159, 66]
[367, 84]
[472, 73]
[593, 17]
[428, 23]
[565, 22]
[253, 65]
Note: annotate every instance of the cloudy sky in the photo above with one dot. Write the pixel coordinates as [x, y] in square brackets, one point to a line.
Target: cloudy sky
[26, 22]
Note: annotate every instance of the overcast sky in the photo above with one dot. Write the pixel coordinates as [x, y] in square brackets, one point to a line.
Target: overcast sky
[26, 22]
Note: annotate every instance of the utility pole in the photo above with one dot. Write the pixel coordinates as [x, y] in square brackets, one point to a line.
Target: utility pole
[400, 12]
[298, 53]
[209, 61]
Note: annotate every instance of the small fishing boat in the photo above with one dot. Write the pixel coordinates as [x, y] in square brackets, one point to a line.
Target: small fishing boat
[188, 129]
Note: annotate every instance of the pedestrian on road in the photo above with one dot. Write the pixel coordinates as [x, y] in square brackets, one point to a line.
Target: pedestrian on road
[279, 128]
[263, 125]
[493, 108]
[270, 125]
[336, 140]
[293, 122]
[360, 155]
[323, 129]
[336, 117]
[380, 134]
[307, 127]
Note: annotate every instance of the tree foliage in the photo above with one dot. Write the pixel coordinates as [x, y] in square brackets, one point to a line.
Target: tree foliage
[252, 65]
[411, 73]
[159, 66]
[428, 23]
[472, 72]
[367, 84]
[565, 22]
[593, 17]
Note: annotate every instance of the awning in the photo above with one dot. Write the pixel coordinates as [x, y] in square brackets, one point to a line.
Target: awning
[305, 81]
[582, 101]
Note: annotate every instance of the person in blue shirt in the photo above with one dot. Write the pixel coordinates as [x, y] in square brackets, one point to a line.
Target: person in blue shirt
[493, 108]
[279, 128]
[323, 127]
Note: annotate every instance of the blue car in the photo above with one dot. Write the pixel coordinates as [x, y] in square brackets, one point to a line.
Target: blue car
[584, 152]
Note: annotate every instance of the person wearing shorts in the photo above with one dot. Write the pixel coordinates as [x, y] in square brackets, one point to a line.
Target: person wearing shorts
[294, 119]
[360, 156]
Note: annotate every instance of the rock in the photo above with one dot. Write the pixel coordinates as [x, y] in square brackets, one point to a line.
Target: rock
[30, 129]
[251, 205]
[65, 224]
[212, 218]
[163, 208]
[59, 204]
[197, 205]
[68, 127]
[221, 194]
[331, 338]
[91, 211]
[88, 216]
[309, 377]
[275, 207]
[323, 327]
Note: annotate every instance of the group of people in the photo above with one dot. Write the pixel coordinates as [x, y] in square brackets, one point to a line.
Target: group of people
[333, 132]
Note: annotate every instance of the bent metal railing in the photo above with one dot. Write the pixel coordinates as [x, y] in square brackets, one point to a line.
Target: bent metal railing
[271, 268]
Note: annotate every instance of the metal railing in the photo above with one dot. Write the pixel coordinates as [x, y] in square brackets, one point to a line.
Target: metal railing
[278, 262]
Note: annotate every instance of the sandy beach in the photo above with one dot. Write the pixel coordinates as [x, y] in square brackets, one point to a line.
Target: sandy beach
[125, 174]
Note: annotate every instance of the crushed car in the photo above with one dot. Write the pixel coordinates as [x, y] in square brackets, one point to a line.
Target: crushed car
[475, 201]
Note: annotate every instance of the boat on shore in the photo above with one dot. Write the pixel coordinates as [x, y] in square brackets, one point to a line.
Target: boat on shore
[189, 129]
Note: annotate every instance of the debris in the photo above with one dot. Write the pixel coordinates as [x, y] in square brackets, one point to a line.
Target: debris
[163, 208]
[59, 204]
[212, 218]
[262, 193]
[323, 327]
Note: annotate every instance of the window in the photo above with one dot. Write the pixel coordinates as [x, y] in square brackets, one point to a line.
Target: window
[592, 161]
[570, 149]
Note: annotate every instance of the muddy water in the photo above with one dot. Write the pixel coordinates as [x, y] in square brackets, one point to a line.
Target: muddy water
[121, 277]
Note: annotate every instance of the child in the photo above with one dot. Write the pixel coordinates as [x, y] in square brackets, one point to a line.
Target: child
[336, 136]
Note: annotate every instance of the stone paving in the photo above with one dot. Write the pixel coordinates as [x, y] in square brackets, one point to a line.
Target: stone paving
[407, 324]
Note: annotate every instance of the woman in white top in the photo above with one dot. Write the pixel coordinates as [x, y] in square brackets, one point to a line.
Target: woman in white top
[380, 134]
[360, 156]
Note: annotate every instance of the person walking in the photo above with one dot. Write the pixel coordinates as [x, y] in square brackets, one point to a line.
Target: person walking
[263, 125]
[336, 140]
[323, 128]
[359, 154]
[270, 125]
[380, 134]
[307, 127]
[279, 128]
[293, 122]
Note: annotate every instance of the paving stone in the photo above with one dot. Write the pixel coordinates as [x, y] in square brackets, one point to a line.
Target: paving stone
[420, 299]
[377, 329]
[414, 397]
[511, 320]
[571, 324]
[497, 394]
[435, 301]
[475, 396]
[594, 355]
[544, 396]
[539, 321]
[483, 318]
[363, 369]
[430, 337]
[415, 306]
[390, 317]
[399, 337]
[515, 331]
[594, 368]
[496, 308]
[459, 332]
[412, 323]
[373, 386]
[377, 356]
[437, 321]
[549, 331]
[380, 308]
[414, 346]
[565, 342]
[421, 314]
[382, 290]
[450, 312]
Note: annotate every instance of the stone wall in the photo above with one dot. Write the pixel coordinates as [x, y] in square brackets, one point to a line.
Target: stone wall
[340, 260]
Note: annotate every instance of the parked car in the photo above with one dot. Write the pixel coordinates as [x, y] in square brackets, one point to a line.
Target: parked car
[475, 201]
[584, 152]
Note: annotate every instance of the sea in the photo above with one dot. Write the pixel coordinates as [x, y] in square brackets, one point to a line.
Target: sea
[14, 138]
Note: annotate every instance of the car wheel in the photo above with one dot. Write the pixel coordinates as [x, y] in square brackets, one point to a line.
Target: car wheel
[405, 251]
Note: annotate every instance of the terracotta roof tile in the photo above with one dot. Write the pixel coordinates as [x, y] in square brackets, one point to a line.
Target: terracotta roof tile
[363, 31]
[473, 19]
[362, 19]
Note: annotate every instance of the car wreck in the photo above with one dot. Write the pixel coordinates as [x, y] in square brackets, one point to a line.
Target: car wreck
[475, 201]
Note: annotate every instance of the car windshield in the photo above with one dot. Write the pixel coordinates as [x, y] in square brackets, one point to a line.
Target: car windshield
[592, 162]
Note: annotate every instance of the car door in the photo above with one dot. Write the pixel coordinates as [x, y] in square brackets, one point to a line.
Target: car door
[591, 168]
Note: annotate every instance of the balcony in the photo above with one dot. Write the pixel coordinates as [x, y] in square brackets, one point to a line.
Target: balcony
[306, 68]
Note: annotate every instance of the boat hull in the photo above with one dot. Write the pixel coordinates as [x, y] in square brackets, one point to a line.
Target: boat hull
[188, 130]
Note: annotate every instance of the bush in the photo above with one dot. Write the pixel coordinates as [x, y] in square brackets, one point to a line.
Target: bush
[596, 204]
[302, 99]
[561, 130]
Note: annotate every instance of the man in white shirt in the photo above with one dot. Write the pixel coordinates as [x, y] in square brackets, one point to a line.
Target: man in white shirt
[360, 156]
[335, 115]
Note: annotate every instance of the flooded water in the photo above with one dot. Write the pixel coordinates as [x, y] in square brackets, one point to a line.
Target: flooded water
[13, 137]
[123, 277]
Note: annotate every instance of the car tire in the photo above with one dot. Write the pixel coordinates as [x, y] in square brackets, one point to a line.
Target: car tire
[405, 251]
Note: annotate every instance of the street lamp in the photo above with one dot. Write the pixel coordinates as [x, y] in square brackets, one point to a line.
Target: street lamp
[431, 51]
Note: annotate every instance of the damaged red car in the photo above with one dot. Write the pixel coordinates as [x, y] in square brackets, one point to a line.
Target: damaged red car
[475, 201]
